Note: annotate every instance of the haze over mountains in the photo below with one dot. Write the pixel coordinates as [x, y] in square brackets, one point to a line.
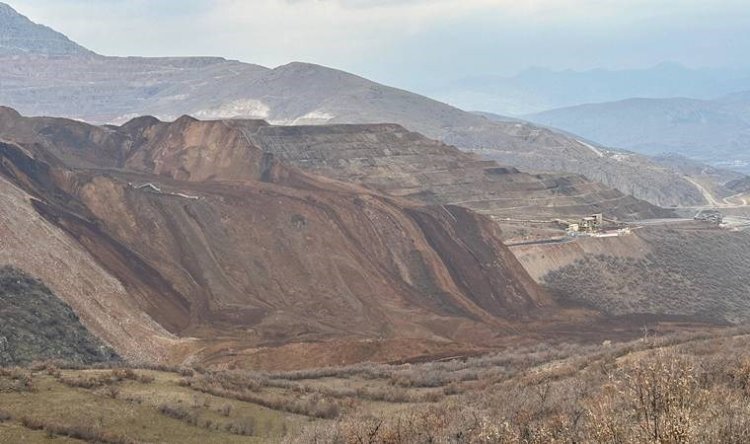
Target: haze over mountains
[667, 109]
[539, 89]
[715, 131]
[101, 89]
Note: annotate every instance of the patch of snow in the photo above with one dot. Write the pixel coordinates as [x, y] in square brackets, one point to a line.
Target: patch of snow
[247, 108]
[317, 117]
[176, 97]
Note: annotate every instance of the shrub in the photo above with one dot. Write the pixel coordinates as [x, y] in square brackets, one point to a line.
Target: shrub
[77, 431]
[179, 412]
[16, 380]
[112, 391]
[244, 427]
[225, 410]
[241, 388]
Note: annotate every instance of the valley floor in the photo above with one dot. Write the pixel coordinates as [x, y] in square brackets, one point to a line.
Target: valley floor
[677, 388]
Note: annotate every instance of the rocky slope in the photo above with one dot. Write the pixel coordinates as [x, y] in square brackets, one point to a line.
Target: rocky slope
[391, 159]
[35, 325]
[113, 89]
[185, 241]
[19, 36]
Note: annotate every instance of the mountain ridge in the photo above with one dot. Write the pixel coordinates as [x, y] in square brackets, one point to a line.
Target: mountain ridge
[19, 35]
[537, 90]
[114, 89]
[226, 254]
[712, 131]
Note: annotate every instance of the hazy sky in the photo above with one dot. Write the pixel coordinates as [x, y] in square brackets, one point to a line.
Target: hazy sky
[412, 43]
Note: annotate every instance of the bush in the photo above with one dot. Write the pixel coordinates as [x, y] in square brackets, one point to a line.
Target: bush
[179, 412]
[78, 431]
[245, 388]
[244, 427]
[16, 380]
[225, 410]
[105, 379]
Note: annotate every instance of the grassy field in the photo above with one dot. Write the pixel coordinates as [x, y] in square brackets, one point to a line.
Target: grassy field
[677, 389]
[100, 406]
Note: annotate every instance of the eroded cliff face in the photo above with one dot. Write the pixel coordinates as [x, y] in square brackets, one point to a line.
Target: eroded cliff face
[108, 306]
[185, 241]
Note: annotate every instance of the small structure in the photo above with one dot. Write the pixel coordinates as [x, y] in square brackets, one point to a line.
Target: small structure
[591, 224]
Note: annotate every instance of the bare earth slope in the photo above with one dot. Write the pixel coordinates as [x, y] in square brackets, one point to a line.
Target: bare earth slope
[393, 160]
[215, 249]
[103, 89]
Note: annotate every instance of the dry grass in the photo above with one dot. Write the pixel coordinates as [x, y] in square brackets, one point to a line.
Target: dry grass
[82, 432]
[678, 389]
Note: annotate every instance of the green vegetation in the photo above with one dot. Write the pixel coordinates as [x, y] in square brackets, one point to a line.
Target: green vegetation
[36, 325]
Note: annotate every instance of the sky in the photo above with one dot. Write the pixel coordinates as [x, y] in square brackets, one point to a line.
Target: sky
[413, 43]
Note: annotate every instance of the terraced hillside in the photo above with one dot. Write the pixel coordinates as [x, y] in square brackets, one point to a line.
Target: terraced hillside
[391, 159]
[183, 241]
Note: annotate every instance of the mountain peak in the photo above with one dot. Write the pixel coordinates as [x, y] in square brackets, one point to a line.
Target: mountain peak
[19, 35]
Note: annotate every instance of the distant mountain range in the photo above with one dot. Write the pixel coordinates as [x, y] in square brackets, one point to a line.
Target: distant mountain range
[38, 79]
[538, 89]
[716, 132]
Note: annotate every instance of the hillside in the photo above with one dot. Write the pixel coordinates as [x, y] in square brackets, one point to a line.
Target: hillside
[398, 162]
[716, 131]
[104, 89]
[19, 36]
[35, 325]
[688, 270]
[183, 241]
[680, 388]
